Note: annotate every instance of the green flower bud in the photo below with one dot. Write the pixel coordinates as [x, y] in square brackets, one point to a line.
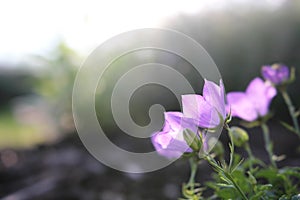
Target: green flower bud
[218, 149]
[239, 136]
[192, 139]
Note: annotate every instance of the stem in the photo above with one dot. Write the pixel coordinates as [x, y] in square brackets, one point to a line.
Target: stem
[268, 144]
[231, 146]
[250, 154]
[231, 152]
[291, 108]
[194, 167]
[228, 175]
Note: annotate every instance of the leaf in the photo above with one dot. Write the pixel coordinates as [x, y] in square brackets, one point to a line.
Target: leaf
[250, 124]
[291, 171]
[226, 180]
[269, 173]
[237, 165]
[288, 127]
[266, 187]
[251, 178]
[254, 161]
[227, 193]
[225, 185]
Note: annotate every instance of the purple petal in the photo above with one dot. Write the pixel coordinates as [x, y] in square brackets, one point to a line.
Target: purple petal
[195, 107]
[172, 120]
[268, 73]
[260, 94]
[170, 141]
[241, 106]
[167, 144]
[276, 73]
[214, 95]
[176, 121]
[282, 73]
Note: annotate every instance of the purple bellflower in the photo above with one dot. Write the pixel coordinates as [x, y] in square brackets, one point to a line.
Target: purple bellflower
[276, 74]
[170, 141]
[252, 103]
[209, 110]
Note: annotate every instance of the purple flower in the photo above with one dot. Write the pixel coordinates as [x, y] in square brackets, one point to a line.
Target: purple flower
[254, 102]
[170, 141]
[209, 110]
[276, 74]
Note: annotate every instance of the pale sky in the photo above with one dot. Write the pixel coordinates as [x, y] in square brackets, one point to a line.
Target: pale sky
[34, 26]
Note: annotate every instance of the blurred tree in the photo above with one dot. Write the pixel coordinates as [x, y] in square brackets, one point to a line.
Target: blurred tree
[55, 84]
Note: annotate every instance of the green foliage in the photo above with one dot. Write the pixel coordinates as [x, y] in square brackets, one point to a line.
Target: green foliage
[55, 84]
[261, 182]
[15, 134]
[192, 192]
[248, 178]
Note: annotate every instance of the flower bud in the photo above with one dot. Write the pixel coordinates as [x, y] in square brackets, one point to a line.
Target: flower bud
[277, 74]
[218, 149]
[192, 139]
[239, 136]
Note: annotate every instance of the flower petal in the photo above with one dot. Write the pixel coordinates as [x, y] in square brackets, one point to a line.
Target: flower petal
[170, 141]
[240, 106]
[172, 120]
[195, 107]
[214, 94]
[260, 93]
[166, 145]
[268, 73]
[276, 73]
[175, 122]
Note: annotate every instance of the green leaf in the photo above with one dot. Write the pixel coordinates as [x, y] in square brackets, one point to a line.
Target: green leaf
[251, 178]
[254, 161]
[291, 171]
[250, 124]
[234, 167]
[269, 173]
[288, 127]
[224, 185]
[227, 193]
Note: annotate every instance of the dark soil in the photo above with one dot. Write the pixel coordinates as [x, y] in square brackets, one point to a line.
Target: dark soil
[66, 170]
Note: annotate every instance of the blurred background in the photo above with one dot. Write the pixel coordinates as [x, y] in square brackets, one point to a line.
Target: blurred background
[43, 44]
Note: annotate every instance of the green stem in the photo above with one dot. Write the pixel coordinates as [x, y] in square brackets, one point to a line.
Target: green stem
[268, 144]
[228, 175]
[194, 167]
[291, 108]
[250, 154]
[231, 146]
